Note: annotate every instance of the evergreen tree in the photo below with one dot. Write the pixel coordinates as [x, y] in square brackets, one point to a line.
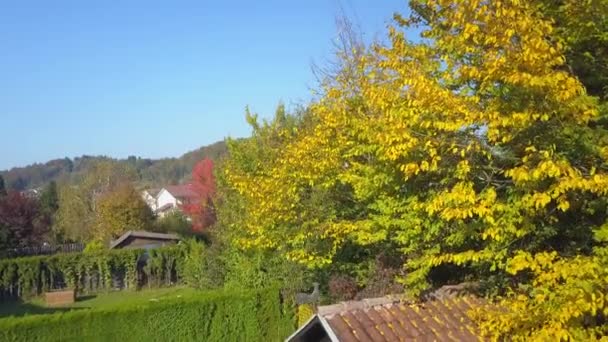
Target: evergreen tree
[49, 200]
[2, 186]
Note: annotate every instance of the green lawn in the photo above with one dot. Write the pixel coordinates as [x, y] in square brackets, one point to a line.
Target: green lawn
[104, 300]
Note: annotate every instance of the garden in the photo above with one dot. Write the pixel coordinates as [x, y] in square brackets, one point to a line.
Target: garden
[133, 295]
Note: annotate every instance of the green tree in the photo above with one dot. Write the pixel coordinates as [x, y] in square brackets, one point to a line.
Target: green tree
[174, 222]
[4, 231]
[75, 217]
[252, 156]
[2, 186]
[582, 29]
[49, 199]
[4, 240]
[78, 200]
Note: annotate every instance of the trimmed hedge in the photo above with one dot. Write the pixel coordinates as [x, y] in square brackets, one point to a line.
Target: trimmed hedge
[93, 272]
[208, 316]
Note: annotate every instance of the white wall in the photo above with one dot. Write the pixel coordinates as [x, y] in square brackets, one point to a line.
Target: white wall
[150, 200]
[164, 197]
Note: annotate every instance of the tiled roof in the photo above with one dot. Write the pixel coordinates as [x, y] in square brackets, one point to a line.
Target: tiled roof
[388, 319]
[181, 191]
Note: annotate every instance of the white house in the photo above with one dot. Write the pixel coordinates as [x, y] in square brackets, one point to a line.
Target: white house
[169, 198]
[149, 197]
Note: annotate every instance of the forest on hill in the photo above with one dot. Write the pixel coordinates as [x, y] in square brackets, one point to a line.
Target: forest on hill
[150, 172]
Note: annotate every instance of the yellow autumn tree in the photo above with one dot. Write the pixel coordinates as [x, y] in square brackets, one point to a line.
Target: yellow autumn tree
[470, 147]
[118, 211]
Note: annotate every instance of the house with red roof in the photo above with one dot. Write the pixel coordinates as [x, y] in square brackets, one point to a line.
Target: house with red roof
[170, 198]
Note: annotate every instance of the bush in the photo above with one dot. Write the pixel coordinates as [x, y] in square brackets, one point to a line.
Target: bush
[194, 265]
[174, 222]
[342, 287]
[259, 269]
[205, 316]
[94, 246]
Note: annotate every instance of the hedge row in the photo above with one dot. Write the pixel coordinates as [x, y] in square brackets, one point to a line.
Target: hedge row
[92, 272]
[206, 316]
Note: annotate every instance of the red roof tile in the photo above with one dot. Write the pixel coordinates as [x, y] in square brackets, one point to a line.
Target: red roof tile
[182, 191]
[388, 319]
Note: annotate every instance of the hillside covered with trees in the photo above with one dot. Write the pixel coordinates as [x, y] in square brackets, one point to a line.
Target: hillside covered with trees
[149, 172]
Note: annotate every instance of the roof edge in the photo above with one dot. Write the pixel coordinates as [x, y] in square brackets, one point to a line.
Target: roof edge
[356, 305]
[302, 327]
[144, 234]
[120, 239]
[330, 332]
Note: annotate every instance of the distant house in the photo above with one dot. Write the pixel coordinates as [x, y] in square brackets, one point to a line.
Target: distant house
[149, 196]
[169, 198]
[142, 239]
[32, 193]
[389, 319]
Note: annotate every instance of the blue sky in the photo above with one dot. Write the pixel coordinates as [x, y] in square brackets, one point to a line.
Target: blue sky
[157, 78]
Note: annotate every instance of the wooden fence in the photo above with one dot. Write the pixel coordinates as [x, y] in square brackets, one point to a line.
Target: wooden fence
[46, 250]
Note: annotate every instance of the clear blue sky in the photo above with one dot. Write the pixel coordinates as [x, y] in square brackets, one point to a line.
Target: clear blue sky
[157, 78]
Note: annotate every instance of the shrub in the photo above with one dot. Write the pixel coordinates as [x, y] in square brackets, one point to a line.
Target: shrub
[259, 269]
[194, 265]
[205, 316]
[94, 246]
[342, 287]
[174, 222]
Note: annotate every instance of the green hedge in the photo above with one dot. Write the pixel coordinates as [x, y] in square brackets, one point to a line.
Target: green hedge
[207, 316]
[98, 271]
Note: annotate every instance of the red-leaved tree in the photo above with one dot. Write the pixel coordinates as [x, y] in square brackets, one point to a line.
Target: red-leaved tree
[201, 210]
[22, 222]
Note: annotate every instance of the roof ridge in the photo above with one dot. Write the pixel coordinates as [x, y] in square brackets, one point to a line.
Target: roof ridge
[363, 304]
[369, 303]
[143, 233]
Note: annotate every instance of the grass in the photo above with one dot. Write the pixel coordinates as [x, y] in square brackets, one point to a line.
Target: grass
[109, 300]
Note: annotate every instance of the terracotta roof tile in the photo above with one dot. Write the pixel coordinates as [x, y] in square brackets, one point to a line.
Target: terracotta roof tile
[341, 328]
[182, 191]
[386, 320]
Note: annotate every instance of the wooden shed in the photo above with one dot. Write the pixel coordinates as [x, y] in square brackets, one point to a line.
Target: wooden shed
[143, 239]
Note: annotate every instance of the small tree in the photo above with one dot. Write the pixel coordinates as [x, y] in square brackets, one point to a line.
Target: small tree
[120, 210]
[202, 210]
[21, 220]
[77, 213]
[2, 187]
[174, 222]
[49, 199]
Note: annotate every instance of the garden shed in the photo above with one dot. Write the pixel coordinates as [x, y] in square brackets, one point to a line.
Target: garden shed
[143, 239]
